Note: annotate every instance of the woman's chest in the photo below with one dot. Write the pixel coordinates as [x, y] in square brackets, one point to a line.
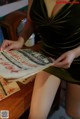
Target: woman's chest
[53, 6]
[64, 14]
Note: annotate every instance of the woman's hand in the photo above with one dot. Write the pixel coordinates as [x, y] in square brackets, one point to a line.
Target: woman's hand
[9, 45]
[65, 60]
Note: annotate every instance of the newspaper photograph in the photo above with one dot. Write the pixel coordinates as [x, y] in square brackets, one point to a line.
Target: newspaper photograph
[22, 63]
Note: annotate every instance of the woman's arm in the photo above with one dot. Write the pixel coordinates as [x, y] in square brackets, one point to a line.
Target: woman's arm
[24, 35]
[76, 51]
[28, 28]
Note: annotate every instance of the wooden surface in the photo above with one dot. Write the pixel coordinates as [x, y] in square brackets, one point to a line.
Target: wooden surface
[19, 102]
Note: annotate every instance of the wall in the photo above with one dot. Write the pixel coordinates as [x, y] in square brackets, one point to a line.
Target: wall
[6, 9]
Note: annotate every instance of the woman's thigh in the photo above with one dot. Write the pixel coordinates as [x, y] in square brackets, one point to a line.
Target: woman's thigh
[45, 88]
[73, 100]
[46, 79]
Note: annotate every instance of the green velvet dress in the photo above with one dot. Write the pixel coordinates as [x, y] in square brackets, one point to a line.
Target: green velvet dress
[59, 33]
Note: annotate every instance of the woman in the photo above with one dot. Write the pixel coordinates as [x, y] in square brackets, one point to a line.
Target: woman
[59, 26]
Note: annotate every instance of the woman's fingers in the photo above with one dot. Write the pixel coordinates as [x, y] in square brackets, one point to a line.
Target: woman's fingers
[62, 62]
[5, 44]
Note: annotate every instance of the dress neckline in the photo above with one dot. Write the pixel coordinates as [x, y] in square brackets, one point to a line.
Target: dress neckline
[51, 16]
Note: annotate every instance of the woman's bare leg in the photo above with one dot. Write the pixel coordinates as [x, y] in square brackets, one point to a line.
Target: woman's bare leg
[73, 101]
[45, 88]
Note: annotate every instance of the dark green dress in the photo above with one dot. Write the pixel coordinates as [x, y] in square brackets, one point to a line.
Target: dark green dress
[59, 33]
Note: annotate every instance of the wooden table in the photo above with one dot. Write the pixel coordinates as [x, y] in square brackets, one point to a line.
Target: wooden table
[19, 102]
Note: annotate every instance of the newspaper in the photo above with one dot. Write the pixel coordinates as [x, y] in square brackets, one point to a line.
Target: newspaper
[7, 89]
[21, 64]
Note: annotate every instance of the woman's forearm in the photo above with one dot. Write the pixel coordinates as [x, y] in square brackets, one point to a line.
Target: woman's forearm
[27, 31]
[28, 28]
[77, 51]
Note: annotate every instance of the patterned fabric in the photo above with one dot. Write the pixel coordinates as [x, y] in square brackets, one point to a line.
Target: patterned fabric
[60, 32]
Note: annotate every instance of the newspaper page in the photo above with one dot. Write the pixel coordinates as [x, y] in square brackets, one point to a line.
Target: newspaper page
[7, 89]
[20, 64]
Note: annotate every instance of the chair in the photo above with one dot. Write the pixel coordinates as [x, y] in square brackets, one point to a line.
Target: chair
[10, 24]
